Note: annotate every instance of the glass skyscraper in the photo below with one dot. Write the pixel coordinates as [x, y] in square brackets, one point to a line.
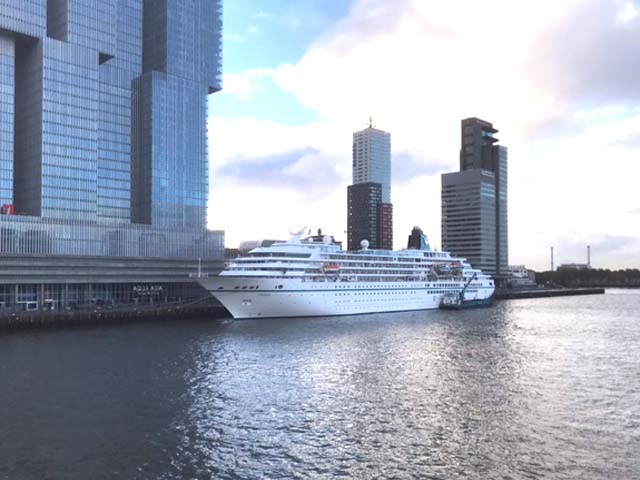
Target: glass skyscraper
[103, 126]
[181, 68]
[372, 159]
[370, 213]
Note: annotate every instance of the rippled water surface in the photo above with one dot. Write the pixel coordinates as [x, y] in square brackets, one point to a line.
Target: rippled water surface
[545, 388]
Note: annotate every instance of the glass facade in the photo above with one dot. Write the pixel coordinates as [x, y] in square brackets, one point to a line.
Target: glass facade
[33, 235]
[93, 24]
[502, 214]
[24, 17]
[7, 73]
[469, 217]
[372, 159]
[170, 177]
[116, 77]
[69, 132]
[181, 68]
[102, 127]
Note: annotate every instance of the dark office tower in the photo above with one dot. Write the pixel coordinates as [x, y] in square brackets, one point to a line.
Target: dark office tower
[474, 200]
[418, 240]
[478, 145]
[385, 226]
[362, 216]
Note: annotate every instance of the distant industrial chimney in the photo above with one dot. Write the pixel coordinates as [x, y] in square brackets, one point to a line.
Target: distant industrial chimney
[589, 255]
[552, 259]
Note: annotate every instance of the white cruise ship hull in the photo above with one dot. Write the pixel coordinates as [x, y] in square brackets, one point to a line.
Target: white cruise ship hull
[275, 298]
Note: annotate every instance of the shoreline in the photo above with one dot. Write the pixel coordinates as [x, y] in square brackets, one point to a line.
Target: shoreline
[53, 320]
[507, 294]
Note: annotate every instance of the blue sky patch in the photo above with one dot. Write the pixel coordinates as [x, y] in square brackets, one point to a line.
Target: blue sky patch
[268, 33]
[267, 102]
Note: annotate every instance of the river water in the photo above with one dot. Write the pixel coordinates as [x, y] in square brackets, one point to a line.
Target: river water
[528, 389]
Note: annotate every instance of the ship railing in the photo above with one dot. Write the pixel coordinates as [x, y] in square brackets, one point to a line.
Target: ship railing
[198, 275]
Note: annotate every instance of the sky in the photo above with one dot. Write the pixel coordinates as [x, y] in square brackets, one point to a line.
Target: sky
[560, 79]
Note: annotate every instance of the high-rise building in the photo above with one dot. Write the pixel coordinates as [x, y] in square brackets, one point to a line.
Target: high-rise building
[384, 237]
[103, 129]
[181, 68]
[418, 240]
[372, 159]
[474, 200]
[370, 212]
[477, 142]
[362, 214]
[103, 125]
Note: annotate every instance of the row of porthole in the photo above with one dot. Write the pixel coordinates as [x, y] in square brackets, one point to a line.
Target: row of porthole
[251, 287]
[392, 286]
[404, 293]
[377, 293]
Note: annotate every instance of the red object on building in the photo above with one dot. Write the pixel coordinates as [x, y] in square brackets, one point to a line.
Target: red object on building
[8, 209]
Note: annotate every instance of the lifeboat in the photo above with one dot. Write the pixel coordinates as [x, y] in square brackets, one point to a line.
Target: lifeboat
[331, 268]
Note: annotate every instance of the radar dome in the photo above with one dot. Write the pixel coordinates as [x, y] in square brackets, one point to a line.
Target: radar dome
[364, 244]
[326, 240]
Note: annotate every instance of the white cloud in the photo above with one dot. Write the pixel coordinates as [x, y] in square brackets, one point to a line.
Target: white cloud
[243, 84]
[628, 12]
[421, 66]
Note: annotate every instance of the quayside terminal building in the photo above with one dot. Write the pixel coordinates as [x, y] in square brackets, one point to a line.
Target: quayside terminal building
[104, 172]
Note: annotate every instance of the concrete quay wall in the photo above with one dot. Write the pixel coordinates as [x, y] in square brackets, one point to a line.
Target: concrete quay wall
[508, 294]
[37, 320]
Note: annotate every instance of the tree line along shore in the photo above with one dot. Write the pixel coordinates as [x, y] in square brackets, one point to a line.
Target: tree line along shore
[629, 278]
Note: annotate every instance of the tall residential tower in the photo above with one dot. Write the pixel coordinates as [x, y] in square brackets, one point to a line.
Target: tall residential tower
[474, 201]
[370, 212]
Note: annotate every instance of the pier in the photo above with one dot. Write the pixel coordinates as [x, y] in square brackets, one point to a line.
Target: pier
[208, 308]
[514, 294]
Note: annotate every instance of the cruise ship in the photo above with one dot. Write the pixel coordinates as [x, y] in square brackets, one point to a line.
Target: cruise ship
[313, 276]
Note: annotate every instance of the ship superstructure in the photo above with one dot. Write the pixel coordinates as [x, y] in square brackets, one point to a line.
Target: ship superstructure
[314, 277]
